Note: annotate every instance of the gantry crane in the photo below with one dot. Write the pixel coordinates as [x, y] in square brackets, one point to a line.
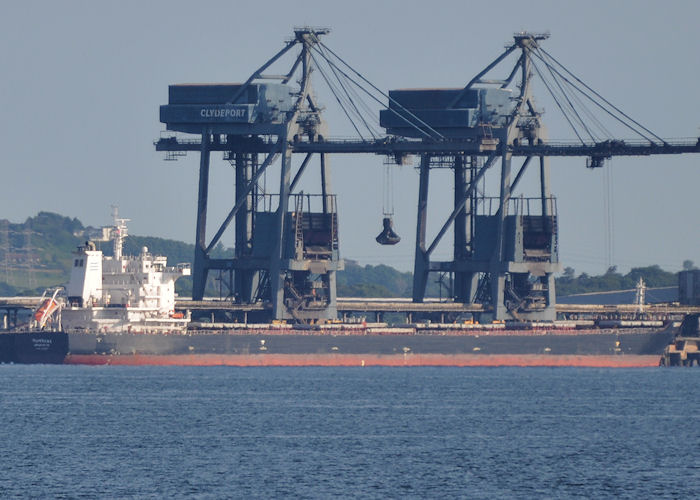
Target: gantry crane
[505, 249]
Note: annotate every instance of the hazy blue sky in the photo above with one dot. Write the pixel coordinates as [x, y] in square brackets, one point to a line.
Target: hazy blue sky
[82, 81]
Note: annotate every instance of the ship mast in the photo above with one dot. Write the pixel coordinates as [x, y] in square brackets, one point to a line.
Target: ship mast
[119, 232]
[640, 295]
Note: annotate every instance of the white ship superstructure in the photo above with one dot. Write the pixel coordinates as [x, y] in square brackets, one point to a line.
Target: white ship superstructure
[122, 293]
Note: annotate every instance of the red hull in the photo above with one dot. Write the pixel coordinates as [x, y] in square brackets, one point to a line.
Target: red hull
[595, 361]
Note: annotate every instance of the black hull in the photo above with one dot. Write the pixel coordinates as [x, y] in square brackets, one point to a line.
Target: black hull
[512, 343]
[33, 347]
[55, 347]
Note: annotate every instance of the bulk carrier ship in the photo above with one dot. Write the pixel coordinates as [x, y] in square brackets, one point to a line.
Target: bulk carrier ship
[120, 310]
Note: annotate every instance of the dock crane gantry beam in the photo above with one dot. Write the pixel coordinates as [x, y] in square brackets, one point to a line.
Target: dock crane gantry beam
[521, 135]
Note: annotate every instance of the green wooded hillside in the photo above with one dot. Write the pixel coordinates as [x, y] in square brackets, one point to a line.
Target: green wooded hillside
[36, 254]
[653, 276]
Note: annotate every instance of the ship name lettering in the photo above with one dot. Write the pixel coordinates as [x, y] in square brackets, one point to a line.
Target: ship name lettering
[222, 113]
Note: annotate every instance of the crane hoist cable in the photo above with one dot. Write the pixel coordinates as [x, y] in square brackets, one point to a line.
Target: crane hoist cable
[405, 113]
[608, 197]
[556, 101]
[388, 236]
[388, 188]
[366, 91]
[351, 94]
[572, 93]
[604, 99]
[610, 107]
[568, 101]
[348, 98]
[336, 95]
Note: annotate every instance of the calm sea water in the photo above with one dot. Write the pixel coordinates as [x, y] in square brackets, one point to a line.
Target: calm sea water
[127, 432]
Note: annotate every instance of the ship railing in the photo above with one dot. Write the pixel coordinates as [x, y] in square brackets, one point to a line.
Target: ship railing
[454, 329]
[519, 206]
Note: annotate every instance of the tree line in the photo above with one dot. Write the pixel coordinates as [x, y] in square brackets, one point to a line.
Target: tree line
[36, 254]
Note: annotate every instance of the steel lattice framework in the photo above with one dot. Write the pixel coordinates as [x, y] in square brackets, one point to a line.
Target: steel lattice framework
[512, 284]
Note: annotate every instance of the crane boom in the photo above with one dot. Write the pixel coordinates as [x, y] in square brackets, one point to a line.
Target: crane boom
[390, 146]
